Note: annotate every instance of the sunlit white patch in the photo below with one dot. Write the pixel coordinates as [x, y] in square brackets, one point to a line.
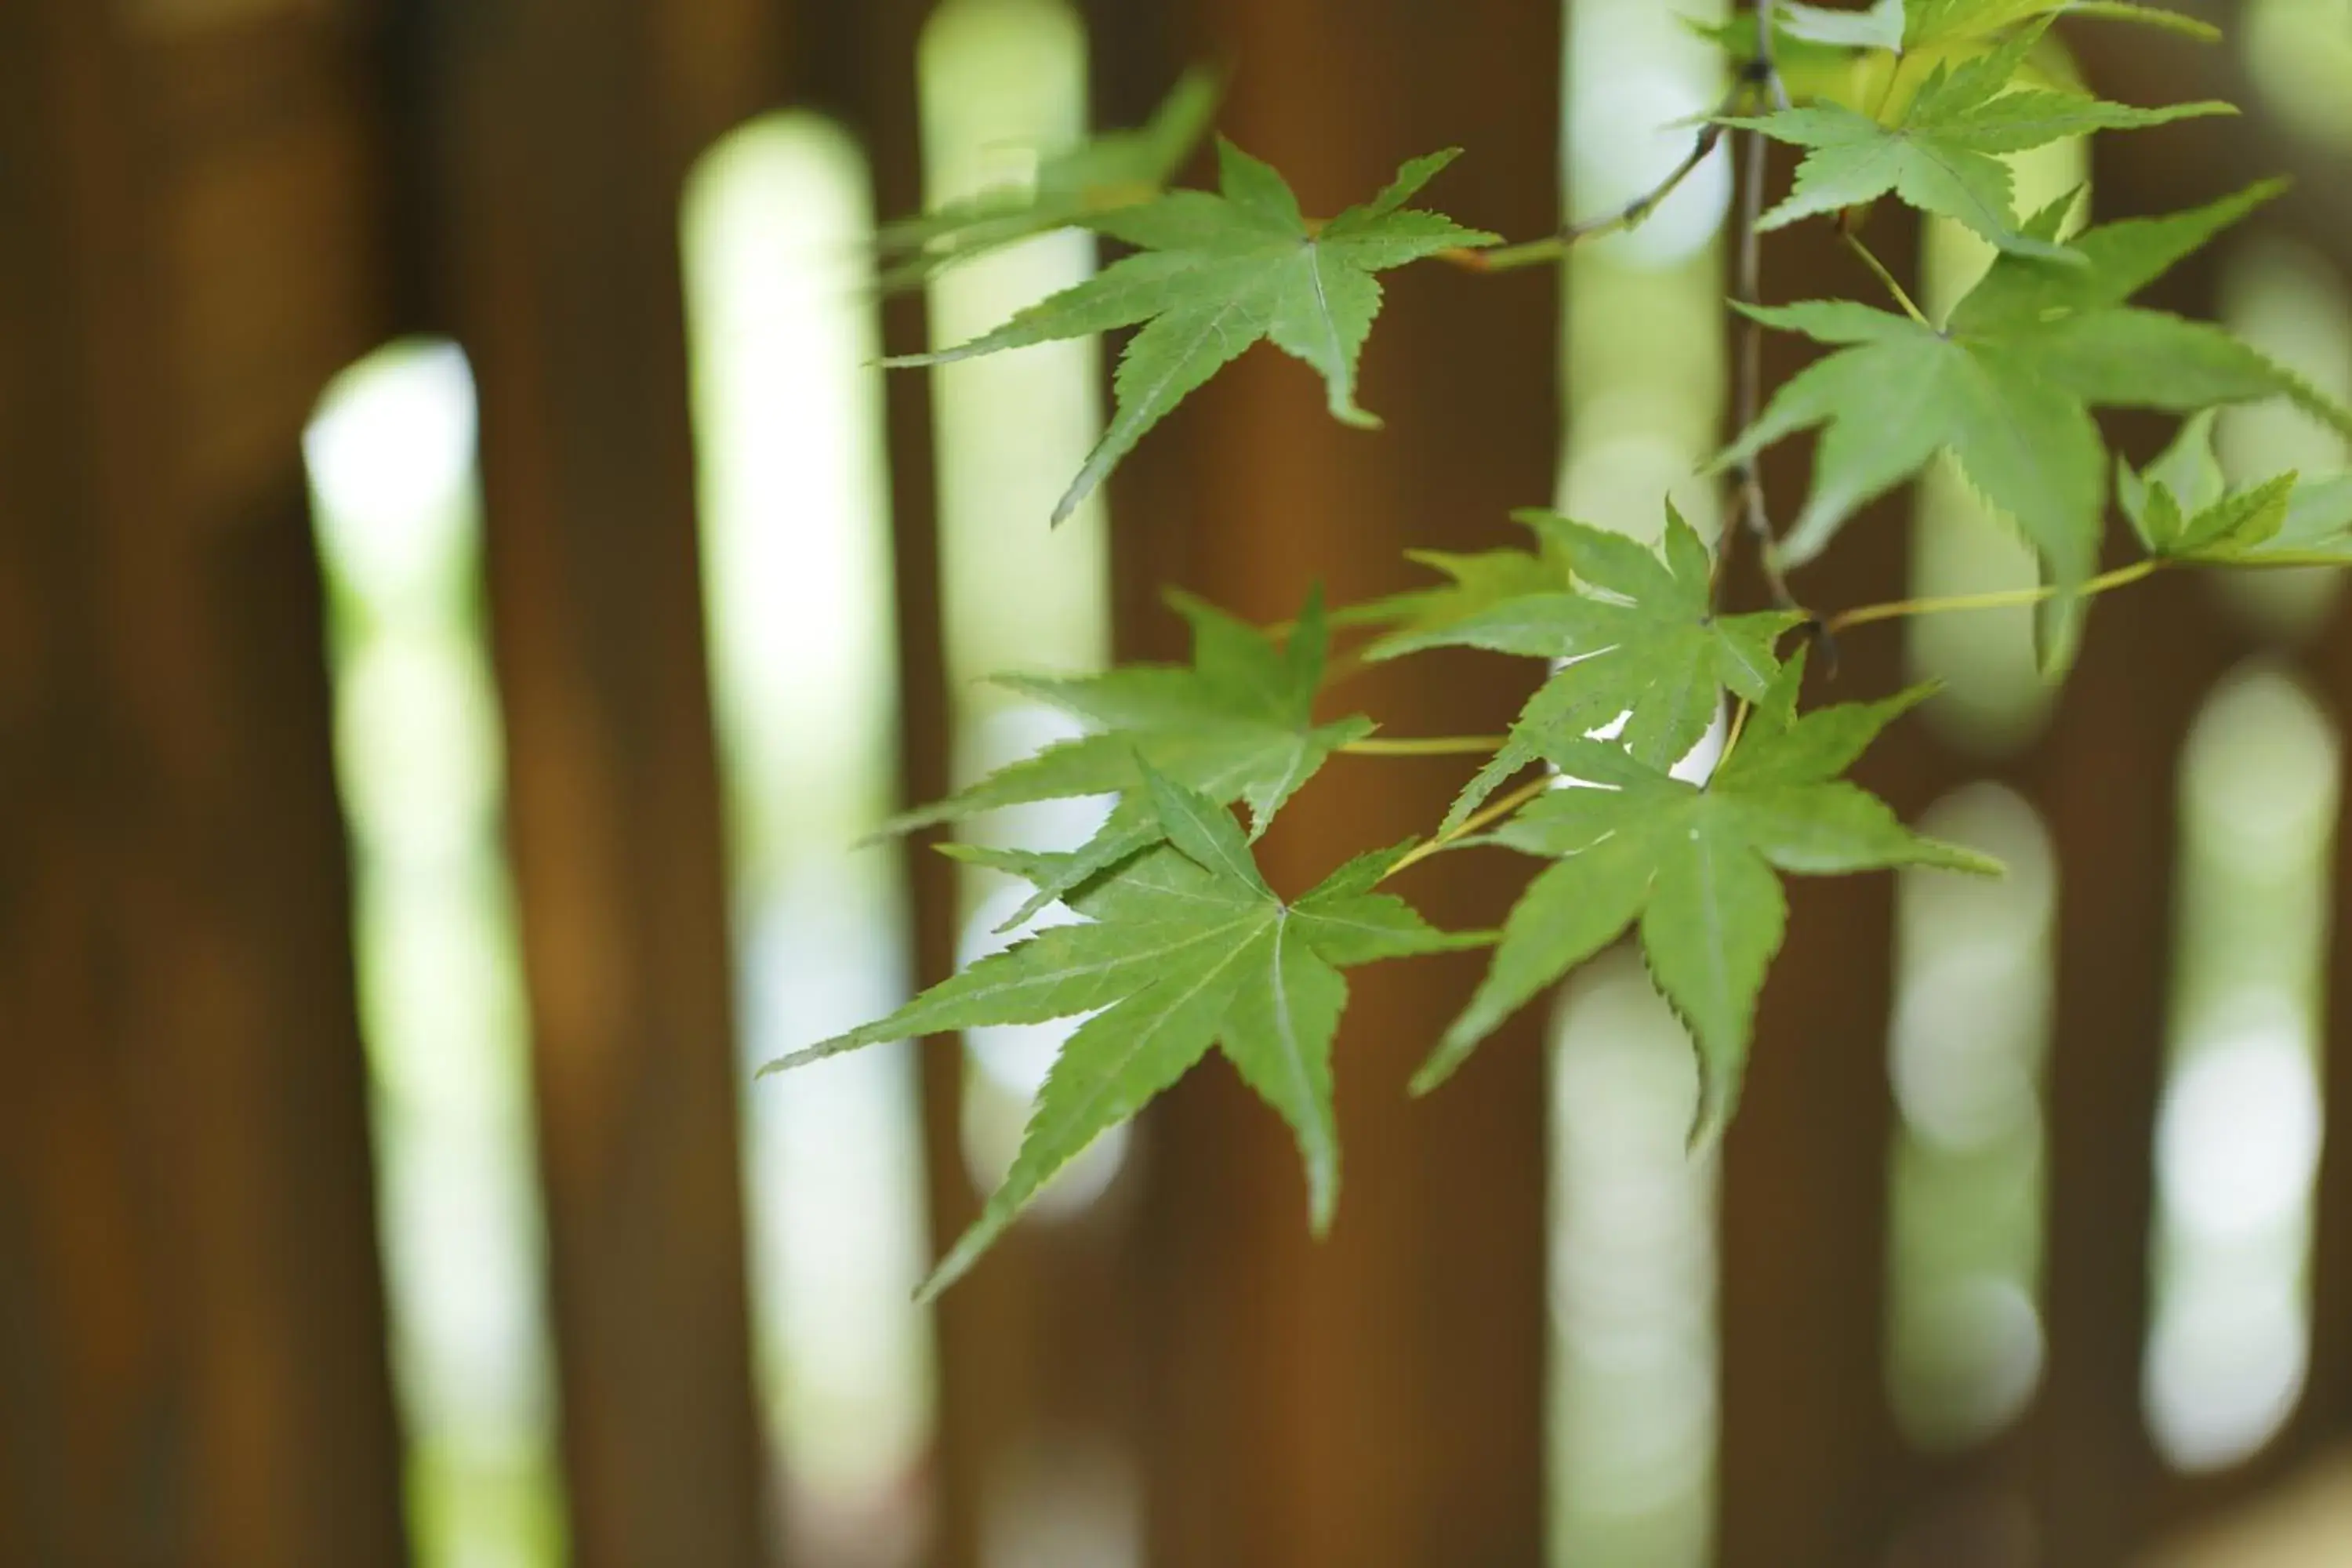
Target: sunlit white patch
[392, 467]
[2225, 1364]
[391, 457]
[1628, 130]
[2238, 1139]
[793, 482]
[799, 612]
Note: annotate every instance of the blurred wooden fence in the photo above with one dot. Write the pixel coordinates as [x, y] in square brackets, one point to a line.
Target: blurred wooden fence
[207, 208]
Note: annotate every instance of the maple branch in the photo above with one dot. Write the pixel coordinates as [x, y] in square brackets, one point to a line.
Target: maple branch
[1870, 259]
[1761, 74]
[1435, 746]
[1493, 811]
[2005, 599]
[1765, 66]
[1633, 214]
[1738, 728]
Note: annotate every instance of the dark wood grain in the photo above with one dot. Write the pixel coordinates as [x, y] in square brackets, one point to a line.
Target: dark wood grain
[1807, 1442]
[1376, 1398]
[561, 133]
[192, 1325]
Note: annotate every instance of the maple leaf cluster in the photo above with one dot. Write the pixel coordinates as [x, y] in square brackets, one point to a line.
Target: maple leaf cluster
[1170, 943]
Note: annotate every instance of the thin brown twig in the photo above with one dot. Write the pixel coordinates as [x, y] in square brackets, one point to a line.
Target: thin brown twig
[1768, 71]
[1633, 214]
[1763, 73]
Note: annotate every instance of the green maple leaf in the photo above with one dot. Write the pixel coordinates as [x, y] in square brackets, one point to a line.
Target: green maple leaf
[2316, 532]
[2008, 384]
[1217, 273]
[1648, 645]
[1816, 48]
[1476, 583]
[1238, 724]
[2183, 510]
[1696, 866]
[1897, 28]
[1945, 155]
[1184, 947]
[1117, 169]
[1928, 23]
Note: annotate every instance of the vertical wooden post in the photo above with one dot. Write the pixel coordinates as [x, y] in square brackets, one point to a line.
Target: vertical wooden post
[192, 1332]
[1806, 1439]
[2326, 1415]
[1378, 1397]
[567, 128]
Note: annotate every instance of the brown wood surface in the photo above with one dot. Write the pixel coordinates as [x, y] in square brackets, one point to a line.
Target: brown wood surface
[2325, 1417]
[1807, 1443]
[562, 131]
[2108, 785]
[1376, 1398]
[192, 1330]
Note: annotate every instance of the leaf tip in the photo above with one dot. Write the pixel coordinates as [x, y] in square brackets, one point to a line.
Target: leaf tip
[1706, 1134]
[1959, 858]
[967, 1251]
[1322, 1203]
[1072, 498]
[1711, 1117]
[786, 1063]
[1442, 1063]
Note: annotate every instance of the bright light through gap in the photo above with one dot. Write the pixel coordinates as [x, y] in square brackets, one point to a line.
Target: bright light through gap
[796, 557]
[418, 755]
